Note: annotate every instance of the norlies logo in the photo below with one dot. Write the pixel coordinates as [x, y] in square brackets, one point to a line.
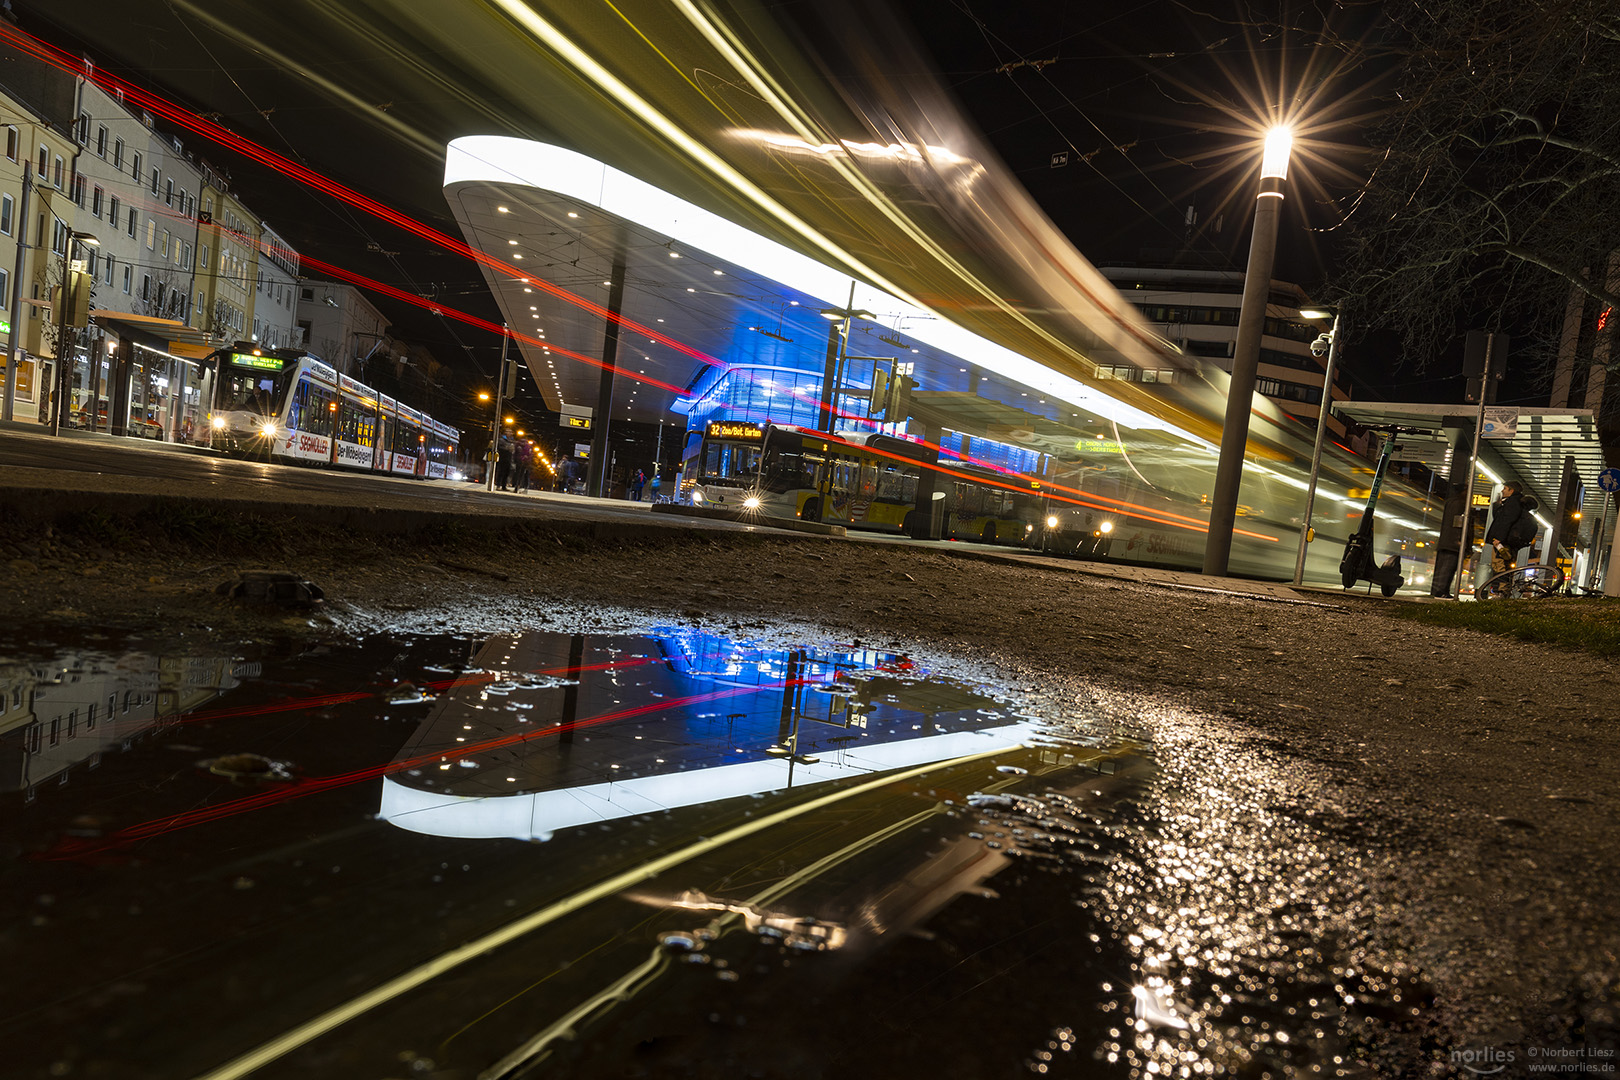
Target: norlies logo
[1484, 1062]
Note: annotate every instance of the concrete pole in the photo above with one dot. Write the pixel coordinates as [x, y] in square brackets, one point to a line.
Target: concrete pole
[1245, 362]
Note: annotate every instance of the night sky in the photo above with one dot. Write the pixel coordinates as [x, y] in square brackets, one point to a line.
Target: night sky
[1149, 102]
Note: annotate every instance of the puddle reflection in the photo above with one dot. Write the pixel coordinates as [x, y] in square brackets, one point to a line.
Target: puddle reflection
[65, 712]
[551, 731]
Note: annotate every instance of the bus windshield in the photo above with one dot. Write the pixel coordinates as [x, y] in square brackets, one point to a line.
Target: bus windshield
[735, 463]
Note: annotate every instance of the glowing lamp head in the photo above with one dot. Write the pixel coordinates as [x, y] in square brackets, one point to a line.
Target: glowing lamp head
[751, 503]
[697, 497]
[1107, 527]
[269, 430]
[1274, 162]
[219, 423]
[1051, 521]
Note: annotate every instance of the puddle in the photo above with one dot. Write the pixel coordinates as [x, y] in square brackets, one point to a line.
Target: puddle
[670, 853]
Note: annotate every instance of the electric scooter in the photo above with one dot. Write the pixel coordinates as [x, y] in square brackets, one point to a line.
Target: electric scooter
[1357, 564]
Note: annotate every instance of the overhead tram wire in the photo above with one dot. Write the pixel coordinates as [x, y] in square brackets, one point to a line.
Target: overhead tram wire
[251, 150]
[339, 211]
[994, 41]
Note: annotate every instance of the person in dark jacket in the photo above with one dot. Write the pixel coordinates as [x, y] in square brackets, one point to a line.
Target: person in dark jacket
[503, 464]
[1451, 532]
[1509, 518]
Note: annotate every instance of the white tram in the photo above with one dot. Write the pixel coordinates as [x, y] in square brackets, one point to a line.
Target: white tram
[278, 404]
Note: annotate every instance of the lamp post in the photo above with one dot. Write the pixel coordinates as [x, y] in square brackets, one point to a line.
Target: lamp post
[1306, 532]
[495, 421]
[64, 301]
[1246, 353]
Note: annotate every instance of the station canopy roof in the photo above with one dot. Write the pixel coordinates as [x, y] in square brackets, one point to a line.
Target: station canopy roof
[1533, 455]
[700, 290]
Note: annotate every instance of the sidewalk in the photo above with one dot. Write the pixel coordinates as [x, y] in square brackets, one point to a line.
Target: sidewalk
[404, 504]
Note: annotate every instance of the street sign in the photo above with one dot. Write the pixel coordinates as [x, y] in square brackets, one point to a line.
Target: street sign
[1609, 480]
[1500, 423]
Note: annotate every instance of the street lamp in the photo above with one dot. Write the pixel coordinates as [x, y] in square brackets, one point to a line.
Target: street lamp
[64, 300]
[1331, 341]
[1246, 353]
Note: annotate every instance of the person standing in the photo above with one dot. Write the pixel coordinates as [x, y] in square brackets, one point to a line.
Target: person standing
[1451, 532]
[655, 484]
[503, 464]
[1506, 516]
[522, 466]
[636, 484]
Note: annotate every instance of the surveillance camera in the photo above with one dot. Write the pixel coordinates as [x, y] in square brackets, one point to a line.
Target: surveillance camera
[1320, 346]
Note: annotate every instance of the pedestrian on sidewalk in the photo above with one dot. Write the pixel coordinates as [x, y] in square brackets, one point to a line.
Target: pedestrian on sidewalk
[503, 464]
[1507, 534]
[656, 484]
[522, 466]
[636, 484]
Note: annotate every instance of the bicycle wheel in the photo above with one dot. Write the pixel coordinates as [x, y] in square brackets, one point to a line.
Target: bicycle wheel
[1530, 582]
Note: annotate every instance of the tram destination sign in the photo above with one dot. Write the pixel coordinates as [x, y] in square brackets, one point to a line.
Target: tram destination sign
[731, 429]
[263, 363]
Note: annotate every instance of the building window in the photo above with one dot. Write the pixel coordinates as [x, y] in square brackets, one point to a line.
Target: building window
[90, 263]
[163, 249]
[132, 222]
[151, 233]
[59, 237]
[168, 193]
[135, 168]
[78, 192]
[96, 201]
[118, 153]
[56, 172]
[5, 288]
[112, 210]
[44, 160]
[202, 259]
[81, 131]
[7, 205]
[109, 275]
[126, 280]
[11, 143]
[155, 179]
[146, 286]
[101, 141]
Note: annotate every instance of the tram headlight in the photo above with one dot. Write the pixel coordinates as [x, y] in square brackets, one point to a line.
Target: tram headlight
[751, 503]
[219, 423]
[1051, 521]
[1107, 527]
[697, 496]
[268, 431]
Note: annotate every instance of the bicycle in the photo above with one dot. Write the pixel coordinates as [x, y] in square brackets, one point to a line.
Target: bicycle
[1532, 581]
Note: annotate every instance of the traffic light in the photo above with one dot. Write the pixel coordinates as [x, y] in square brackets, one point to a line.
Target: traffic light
[880, 391]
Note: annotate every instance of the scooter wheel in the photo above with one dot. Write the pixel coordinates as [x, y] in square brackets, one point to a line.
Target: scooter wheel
[1348, 577]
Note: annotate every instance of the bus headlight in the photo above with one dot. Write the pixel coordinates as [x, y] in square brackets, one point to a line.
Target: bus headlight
[219, 423]
[1051, 521]
[1107, 527]
[697, 496]
[268, 431]
[751, 503]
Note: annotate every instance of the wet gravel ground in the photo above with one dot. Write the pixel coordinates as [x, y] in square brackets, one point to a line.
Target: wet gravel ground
[1429, 815]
